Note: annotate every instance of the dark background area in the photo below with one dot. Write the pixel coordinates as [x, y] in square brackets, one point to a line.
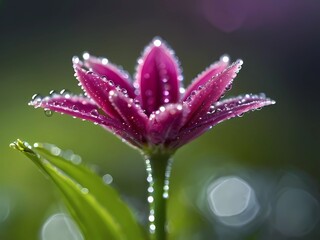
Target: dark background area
[279, 43]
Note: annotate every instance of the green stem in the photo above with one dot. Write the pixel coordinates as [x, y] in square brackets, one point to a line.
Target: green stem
[158, 170]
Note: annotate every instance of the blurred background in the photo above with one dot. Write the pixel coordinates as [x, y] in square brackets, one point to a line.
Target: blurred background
[255, 177]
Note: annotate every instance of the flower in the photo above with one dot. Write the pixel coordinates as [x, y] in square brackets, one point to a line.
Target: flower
[153, 113]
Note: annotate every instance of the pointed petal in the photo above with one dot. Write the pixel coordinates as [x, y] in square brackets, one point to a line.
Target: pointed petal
[201, 99]
[113, 73]
[84, 108]
[206, 75]
[158, 77]
[165, 123]
[222, 111]
[97, 88]
[130, 113]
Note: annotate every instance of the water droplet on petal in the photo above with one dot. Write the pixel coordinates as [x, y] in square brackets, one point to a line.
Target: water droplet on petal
[75, 108]
[75, 60]
[94, 113]
[104, 61]
[157, 42]
[146, 75]
[52, 92]
[36, 97]
[86, 55]
[228, 88]
[225, 58]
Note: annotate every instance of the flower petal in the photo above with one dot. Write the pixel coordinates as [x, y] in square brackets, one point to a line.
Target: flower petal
[97, 88]
[158, 77]
[84, 108]
[165, 123]
[201, 99]
[221, 111]
[130, 113]
[206, 75]
[113, 73]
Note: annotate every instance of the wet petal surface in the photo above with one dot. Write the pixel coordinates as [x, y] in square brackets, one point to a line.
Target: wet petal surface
[97, 88]
[157, 77]
[206, 75]
[165, 123]
[103, 67]
[222, 111]
[200, 101]
[130, 113]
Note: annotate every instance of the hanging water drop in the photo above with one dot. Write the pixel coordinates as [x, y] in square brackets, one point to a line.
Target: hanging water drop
[48, 112]
[228, 88]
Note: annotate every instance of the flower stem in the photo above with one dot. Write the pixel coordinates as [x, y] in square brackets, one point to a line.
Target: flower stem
[158, 170]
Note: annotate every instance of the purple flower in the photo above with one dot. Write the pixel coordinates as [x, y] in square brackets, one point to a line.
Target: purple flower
[153, 112]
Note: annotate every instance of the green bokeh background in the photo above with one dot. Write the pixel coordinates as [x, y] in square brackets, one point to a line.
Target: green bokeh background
[38, 40]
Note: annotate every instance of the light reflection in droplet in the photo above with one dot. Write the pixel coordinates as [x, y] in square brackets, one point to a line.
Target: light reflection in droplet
[60, 226]
[296, 212]
[232, 201]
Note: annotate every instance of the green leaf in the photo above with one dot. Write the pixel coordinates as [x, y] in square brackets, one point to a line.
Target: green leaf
[95, 206]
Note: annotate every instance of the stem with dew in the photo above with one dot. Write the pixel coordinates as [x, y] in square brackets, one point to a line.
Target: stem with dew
[158, 168]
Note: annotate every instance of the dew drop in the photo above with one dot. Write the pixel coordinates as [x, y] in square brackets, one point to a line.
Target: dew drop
[240, 115]
[75, 60]
[225, 58]
[146, 75]
[75, 108]
[86, 55]
[36, 97]
[164, 80]
[94, 113]
[64, 92]
[151, 218]
[104, 61]
[52, 92]
[48, 112]
[157, 42]
[194, 92]
[165, 93]
[228, 88]
[182, 90]
[107, 178]
[84, 190]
